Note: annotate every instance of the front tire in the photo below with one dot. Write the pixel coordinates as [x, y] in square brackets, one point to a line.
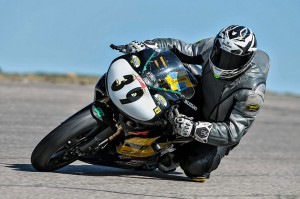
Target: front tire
[58, 148]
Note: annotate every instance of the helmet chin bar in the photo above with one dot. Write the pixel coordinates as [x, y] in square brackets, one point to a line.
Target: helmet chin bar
[229, 74]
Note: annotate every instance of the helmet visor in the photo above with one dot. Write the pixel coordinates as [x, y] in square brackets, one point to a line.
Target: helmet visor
[228, 61]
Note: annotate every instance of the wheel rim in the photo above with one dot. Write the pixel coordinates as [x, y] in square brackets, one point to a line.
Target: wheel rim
[69, 152]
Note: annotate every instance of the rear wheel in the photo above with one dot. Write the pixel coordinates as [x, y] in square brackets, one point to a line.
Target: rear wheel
[61, 146]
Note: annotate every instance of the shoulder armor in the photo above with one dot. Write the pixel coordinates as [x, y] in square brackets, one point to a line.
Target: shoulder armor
[257, 73]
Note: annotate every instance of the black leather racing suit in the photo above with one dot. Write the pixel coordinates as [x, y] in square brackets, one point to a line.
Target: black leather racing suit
[230, 105]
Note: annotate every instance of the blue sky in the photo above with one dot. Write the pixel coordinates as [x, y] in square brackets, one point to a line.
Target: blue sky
[61, 36]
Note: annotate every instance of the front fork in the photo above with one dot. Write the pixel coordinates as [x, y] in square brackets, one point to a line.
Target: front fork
[106, 129]
[101, 109]
[103, 114]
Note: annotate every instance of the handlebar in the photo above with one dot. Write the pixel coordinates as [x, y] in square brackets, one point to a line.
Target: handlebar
[120, 48]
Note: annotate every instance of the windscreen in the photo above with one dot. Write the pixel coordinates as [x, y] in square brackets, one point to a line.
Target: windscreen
[164, 71]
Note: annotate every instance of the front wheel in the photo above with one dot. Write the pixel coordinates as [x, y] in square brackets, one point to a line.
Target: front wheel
[60, 147]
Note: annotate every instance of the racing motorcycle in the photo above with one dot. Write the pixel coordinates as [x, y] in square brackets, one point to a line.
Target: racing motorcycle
[126, 126]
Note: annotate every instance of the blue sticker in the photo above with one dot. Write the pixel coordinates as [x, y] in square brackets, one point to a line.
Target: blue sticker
[178, 87]
[182, 86]
[173, 75]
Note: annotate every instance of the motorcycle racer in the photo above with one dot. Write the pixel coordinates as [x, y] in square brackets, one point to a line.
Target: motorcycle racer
[232, 75]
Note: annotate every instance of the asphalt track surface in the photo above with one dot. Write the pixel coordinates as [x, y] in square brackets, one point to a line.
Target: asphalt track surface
[265, 165]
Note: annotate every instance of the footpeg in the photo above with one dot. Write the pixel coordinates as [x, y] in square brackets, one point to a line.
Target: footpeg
[166, 163]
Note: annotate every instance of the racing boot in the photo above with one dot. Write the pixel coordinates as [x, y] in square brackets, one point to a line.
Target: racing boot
[198, 168]
[201, 178]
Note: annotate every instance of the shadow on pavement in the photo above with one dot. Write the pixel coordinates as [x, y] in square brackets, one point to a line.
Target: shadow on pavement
[21, 167]
[94, 170]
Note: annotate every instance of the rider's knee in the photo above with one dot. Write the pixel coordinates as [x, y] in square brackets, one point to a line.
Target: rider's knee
[195, 167]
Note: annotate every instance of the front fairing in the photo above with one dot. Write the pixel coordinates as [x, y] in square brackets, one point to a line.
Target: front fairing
[145, 84]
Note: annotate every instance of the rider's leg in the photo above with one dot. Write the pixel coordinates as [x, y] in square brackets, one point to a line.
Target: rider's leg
[197, 160]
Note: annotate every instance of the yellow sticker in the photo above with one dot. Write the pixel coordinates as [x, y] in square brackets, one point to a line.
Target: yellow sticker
[157, 110]
[163, 61]
[252, 107]
[135, 61]
[161, 100]
[172, 82]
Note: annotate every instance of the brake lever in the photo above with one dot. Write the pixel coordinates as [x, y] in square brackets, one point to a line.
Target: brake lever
[172, 113]
[176, 112]
[119, 48]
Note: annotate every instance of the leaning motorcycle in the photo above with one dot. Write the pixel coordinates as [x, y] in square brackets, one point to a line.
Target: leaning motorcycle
[126, 126]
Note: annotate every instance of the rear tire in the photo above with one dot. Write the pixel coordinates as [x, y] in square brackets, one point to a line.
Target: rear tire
[58, 148]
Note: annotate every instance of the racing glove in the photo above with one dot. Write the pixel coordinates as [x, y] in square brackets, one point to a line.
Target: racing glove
[136, 46]
[186, 127]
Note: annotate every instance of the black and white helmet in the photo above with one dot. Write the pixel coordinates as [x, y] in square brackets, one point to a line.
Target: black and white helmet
[233, 50]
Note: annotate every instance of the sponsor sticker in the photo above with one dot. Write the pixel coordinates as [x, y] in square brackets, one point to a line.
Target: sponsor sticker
[141, 81]
[252, 107]
[135, 61]
[161, 100]
[98, 112]
[157, 110]
[191, 105]
[150, 76]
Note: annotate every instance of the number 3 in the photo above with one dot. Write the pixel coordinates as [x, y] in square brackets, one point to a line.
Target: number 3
[117, 85]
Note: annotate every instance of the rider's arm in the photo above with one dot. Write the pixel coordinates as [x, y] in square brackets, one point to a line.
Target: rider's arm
[191, 54]
[188, 49]
[244, 112]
